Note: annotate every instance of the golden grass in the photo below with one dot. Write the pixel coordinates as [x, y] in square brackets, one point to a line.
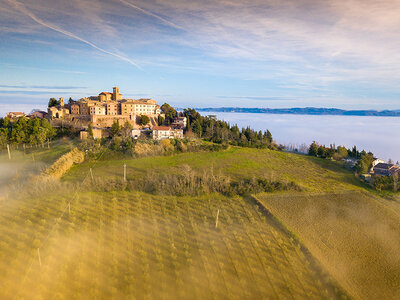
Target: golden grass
[64, 163]
[354, 235]
[134, 245]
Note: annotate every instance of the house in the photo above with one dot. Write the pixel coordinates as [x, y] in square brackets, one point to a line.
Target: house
[97, 109]
[38, 114]
[97, 134]
[57, 112]
[139, 107]
[377, 161]
[136, 133]
[179, 122]
[15, 114]
[384, 169]
[166, 132]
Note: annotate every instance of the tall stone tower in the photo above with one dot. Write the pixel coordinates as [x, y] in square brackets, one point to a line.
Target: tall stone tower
[116, 94]
[62, 102]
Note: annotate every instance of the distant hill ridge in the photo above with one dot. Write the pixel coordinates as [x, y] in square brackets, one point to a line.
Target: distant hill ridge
[305, 111]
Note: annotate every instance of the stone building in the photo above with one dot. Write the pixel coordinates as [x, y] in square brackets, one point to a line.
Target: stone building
[139, 107]
[58, 112]
[97, 109]
[166, 132]
[15, 114]
[104, 109]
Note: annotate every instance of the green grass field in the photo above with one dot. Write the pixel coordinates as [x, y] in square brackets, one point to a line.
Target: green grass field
[333, 239]
[312, 174]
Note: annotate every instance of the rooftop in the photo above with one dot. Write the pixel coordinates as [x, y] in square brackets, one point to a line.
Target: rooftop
[162, 128]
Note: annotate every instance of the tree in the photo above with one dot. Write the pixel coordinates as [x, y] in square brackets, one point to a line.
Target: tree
[128, 144]
[115, 128]
[269, 137]
[313, 150]
[169, 112]
[197, 129]
[322, 151]
[126, 130]
[330, 152]
[160, 120]
[53, 102]
[3, 138]
[90, 130]
[364, 163]
[116, 144]
[144, 120]
[342, 152]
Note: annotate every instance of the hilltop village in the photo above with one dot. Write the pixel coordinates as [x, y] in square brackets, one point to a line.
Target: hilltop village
[95, 117]
[102, 111]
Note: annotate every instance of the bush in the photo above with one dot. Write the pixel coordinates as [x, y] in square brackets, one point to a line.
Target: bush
[192, 183]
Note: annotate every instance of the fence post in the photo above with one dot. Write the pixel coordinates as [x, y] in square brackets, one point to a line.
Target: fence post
[216, 222]
[8, 150]
[124, 172]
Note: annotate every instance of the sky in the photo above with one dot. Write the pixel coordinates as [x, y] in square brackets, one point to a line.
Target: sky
[208, 53]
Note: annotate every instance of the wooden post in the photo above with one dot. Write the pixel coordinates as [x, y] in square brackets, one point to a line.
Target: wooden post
[40, 261]
[124, 172]
[216, 222]
[33, 157]
[91, 173]
[9, 153]
[48, 143]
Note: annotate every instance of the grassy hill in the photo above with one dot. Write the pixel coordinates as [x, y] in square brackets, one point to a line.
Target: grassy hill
[135, 245]
[332, 234]
[310, 173]
[355, 235]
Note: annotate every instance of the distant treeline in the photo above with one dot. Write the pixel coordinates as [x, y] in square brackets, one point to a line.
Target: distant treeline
[25, 131]
[364, 159]
[305, 111]
[217, 131]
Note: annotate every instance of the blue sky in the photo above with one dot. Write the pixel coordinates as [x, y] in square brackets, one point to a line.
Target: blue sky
[267, 53]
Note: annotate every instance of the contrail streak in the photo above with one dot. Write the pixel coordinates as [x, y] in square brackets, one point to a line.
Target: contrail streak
[153, 15]
[21, 7]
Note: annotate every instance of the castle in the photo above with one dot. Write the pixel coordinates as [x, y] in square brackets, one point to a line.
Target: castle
[104, 109]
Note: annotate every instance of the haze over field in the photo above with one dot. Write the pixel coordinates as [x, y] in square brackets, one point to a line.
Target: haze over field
[251, 54]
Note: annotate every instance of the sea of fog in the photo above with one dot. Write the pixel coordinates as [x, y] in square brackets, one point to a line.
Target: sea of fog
[380, 135]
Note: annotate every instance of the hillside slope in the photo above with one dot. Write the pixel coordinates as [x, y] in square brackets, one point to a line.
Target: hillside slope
[310, 173]
[135, 245]
[354, 235]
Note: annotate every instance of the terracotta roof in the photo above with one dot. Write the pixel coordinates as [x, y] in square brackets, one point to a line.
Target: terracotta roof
[105, 93]
[17, 113]
[134, 101]
[161, 128]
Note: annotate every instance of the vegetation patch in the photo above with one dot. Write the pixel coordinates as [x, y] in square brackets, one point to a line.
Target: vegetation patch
[188, 182]
[64, 163]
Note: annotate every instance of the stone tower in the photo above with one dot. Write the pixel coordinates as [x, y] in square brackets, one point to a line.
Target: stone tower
[116, 94]
[62, 102]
